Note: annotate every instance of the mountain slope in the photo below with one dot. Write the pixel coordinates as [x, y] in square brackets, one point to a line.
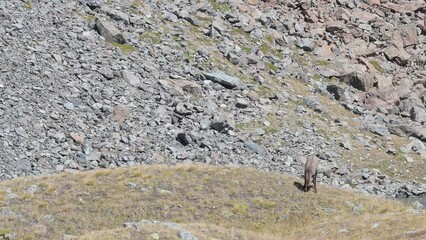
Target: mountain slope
[99, 84]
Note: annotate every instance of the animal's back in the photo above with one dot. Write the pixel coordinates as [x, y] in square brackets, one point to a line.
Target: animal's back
[311, 164]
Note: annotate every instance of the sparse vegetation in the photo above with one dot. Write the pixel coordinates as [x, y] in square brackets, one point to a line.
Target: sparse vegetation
[323, 63]
[267, 49]
[300, 59]
[238, 32]
[137, 4]
[317, 77]
[87, 17]
[217, 6]
[270, 39]
[264, 91]
[125, 48]
[271, 66]
[264, 203]
[28, 4]
[240, 208]
[186, 55]
[208, 201]
[203, 18]
[150, 37]
[246, 49]
[377, 66]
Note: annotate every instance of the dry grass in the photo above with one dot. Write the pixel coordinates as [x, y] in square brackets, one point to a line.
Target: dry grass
[221, 202]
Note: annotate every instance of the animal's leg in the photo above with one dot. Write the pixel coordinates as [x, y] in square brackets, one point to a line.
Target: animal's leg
[305, 186]
[315, 181]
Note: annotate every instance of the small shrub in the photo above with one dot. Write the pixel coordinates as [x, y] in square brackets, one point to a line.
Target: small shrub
[377, 66]
[125, 48]
[271, 66]
[28, 5]
[265, 204]
[240, 208]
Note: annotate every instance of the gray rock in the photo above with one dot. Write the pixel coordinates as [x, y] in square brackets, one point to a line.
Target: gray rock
[94, 156]
[170, 17]
[338, 92]
[203, 52]
[223, 122]
[301, 109]
[131, 185]
[59, 168]
[360, 81]
[182, 110]
[418, 114]
[365, 174]
[109, 31]
[219, 26]
[346, 144]
[233, 58]
[185, 235]
[192, 20]
[379, 129]
[213, 33]
[256, 33]
[69, 106]
[184, 139]
[399, 56]
[405, 127]
[335, 26]
[49, 218]
[242, 103]
[130, 78]
[415, 145]
[329, 73]
[306, 44]
[115, 14]
[204, 124]
[32, 189]
[253, 147]
[224, 79]
[342, 171]
[409, 159]
[92, 3]
[313, 102]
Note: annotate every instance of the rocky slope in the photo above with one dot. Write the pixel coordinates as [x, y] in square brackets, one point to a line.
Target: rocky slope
[90, 83]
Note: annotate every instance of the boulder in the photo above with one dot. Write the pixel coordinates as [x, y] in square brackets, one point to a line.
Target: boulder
[115, 14]
[405, 36]
[398, 56]
[383, 82]
[223, 122]
[360, 80]
[418, 114]
[405, 6]
[335, 26]
[130, 78]
[379, 129]
[406, 127]
[224, 79]
[109, 31]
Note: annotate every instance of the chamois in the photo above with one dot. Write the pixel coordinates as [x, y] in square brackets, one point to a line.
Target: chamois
[311, 170]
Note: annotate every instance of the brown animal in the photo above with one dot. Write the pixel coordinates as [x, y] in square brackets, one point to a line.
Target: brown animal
[311, 170]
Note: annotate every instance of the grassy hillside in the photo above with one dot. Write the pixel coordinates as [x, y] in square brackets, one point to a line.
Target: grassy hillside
[210, 202]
